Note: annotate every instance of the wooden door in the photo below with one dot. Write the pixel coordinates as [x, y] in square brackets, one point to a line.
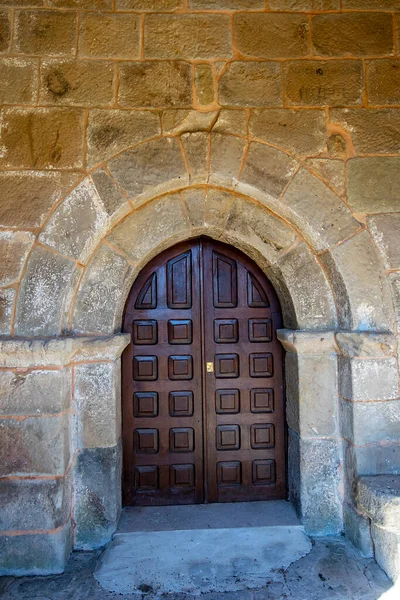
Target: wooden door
[203, 398]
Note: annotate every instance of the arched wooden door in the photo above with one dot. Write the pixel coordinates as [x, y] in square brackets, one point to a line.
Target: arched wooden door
[203, 398]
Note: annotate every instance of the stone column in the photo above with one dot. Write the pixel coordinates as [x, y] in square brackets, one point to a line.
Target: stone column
[312, 417]
[41, 444]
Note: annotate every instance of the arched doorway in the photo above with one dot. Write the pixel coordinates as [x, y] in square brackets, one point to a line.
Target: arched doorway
[202, 380]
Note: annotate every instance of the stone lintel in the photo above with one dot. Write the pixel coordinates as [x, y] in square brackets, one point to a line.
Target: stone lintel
[307, 342]
[30, 353]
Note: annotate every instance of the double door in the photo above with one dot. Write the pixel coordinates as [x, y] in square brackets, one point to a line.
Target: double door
[202, 381]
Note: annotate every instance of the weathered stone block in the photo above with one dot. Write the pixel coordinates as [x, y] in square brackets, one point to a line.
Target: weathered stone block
[196, 147]
[156, 84]
[210, 208]
[178, 121]
[45, 32]
[204, 82]
[24, 446]
[82, 4]
[97, 493]
[379, 498]
[374, 184]
[387, 551]
[354, 34]
[231, 121]
[358, 531]
[149, 5]
[378, 459]
[372, 4]
[383, 81]
[304, 4]
[370, 422]
[42, 138]
[78, 224]
[226, 4]
[365, 344]
[35, 554]
[98, 399]
[28, 196]
[227, 154]
[271, 35]
[187, 36]
[18, 80]
[371, 379]
[110, 132]
[320, 83]
[331, 170]
[5, 30]
[106, 36]
[14, 248]
[385, 230]
[251, 84]
[40, 311]
[34, 504]
[303, 132]
[34, 392]
[7, 298]
[104, 286]
[165, 222]
[363, 125]
[114, 202]
[318, 212]
[394, 279]
[150, 167]
[267, 169]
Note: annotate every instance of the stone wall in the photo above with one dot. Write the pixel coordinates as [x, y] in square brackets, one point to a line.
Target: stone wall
[129, 125]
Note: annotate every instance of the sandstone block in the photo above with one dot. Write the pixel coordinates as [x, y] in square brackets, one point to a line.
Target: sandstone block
[394, 279]
[42, 138]
[149, 167]
[383, 81]
[82, 4]
[149, 5]
[5, 30]
[226, 4]
[251, 84]
[78, 224]
[35, 554]
[321, 83]
[303, 132]
[187, 36]
[352, 34]
[45, 32]
[231, 121]
[372, 4]
[304, 4]
[364, 124]
[110, 132]
[27, 196]
[164, 220]
[271, 35]
[178, 121]
[7, 298]
[97, 494]
[385, 230]
[196, 150]
[24, 448]
[104, 287]
[155, 84]
[40, 311]
[331, 170]
[387, 551]
[34, 504]
[317, 211]
[114, 202]
[98, 399]
[34, 392]
[374, 184]
[204, 82]
[14, 248]
[226, 158]
[208, 208]
[18, 80]
[267, 169]
[107, 36]
[357, 530]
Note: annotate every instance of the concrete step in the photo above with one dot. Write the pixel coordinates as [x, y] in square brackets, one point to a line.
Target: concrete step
[200, 549]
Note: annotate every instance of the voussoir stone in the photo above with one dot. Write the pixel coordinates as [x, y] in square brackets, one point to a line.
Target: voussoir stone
[226, 158]
[303, 132]
[248, 83]
[332, 170]
[379, 498]
[208, 208]
[318, 212]
[176, 122]
[196, 147]
[114, 202]
[271, 35]
[78, 224]
[14, 248]
[231, 121]
[372, 131]
[385, 229]
[150, 165]
[374, 184]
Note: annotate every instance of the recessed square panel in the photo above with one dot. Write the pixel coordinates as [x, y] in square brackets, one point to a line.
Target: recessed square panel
[145, 332]
[146, 478]
[262, 435]
[260, 330]
[181, 404]
[227, 402]
[229, 473]
[181, 477]
[181, 439]
[145, 441]
[261, 365]
[180, 367]
[226, 366]
[226, 331]
[145, 368]
[263, 472]
[262, 400]
[145, 404]
[228, 437]
[180, 331]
